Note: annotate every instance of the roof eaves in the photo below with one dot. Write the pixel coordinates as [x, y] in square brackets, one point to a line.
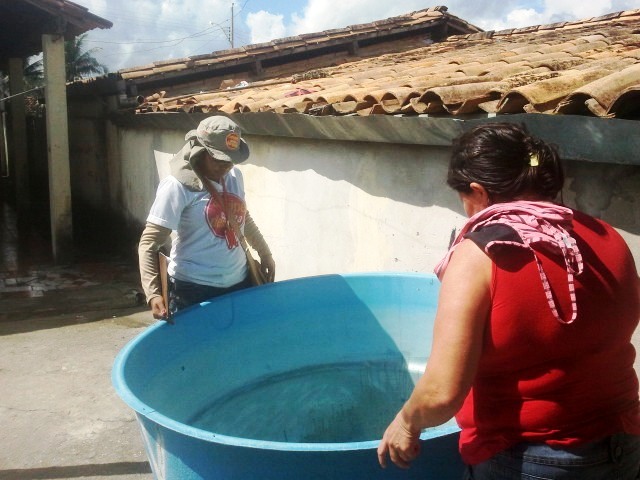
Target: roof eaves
[77, 15]
[220, 61]
[427, 19]
[616, 142]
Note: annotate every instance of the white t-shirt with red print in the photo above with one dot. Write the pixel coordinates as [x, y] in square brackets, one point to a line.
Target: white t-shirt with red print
[204, 250]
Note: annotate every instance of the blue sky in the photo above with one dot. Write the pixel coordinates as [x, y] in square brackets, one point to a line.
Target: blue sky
[147, 31]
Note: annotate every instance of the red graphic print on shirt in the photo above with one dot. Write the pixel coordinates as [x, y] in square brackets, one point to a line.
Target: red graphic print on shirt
[217, 219]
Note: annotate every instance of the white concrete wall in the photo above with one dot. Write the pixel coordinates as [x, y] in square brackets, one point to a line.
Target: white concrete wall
[337, 207]
[344, 207]
[138, 177]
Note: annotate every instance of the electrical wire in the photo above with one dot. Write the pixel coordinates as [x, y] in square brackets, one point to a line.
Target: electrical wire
[121, 16]
[194, 35]
[118, 54]
[4, 99]
[241, 8]
[161, 43]
[170, 43]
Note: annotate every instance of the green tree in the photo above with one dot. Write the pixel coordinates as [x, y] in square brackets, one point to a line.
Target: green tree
[80, 62]
[33, 77]
[34, 73]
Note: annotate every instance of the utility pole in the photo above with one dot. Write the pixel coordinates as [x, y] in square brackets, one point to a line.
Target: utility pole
[231, 34]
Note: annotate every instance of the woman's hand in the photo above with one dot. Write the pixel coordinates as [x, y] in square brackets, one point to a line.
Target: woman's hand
[400, 443]
[158, 308]
[268, 267]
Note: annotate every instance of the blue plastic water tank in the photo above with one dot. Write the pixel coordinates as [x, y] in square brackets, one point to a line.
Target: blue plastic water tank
[293, 380]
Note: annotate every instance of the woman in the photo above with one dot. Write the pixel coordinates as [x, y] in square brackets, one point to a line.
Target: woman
[203, 191]
[532, 344]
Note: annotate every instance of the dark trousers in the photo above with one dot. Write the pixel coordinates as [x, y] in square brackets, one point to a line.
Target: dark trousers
[184, 294]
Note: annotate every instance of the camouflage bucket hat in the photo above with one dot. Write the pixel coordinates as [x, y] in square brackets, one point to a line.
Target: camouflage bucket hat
[222, 138]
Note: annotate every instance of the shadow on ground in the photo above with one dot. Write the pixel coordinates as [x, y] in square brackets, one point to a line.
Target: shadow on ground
[76, 471]
[54, 296]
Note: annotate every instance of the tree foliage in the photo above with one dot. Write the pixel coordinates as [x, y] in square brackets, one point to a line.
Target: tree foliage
[34, 74]
[81, 63]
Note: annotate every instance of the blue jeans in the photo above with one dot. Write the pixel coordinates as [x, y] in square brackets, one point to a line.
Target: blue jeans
[613, 458]
[184, 294]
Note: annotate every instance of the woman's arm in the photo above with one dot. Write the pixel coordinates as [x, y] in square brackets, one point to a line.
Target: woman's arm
[256, 240]
[463, 307]
[153, 239]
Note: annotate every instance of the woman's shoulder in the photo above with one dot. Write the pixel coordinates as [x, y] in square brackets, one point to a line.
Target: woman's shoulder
[467, 257]
[601, 236]
[170, 186]
[235, 175]
[170, 183]
[169, 180]
[588, 225]
[235, 181]
[589, 221]
[489, 234]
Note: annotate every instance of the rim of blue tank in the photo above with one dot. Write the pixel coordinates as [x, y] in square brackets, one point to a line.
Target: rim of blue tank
[122, 389]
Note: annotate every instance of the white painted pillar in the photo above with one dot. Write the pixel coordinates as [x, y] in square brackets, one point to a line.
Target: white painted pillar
[19, 160]
[58, 147]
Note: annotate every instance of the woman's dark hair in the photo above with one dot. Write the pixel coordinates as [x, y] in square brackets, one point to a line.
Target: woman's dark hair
[506, 161]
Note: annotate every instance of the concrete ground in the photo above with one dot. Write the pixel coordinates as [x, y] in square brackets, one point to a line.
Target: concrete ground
[60, 330]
